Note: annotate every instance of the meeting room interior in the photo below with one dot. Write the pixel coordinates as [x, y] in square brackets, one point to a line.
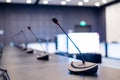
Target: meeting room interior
[59, 39]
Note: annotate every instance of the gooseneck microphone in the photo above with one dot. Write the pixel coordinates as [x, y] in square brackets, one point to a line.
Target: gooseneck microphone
[29, 28]
[39, 57]
[27, 50]
[4, 74]
[17, 36]
[24, 36]
[25, 40]
[77, 67]
[13, 39]
[56, 22]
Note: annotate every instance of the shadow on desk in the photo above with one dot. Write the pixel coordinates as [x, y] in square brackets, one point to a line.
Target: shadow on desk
[89, 57]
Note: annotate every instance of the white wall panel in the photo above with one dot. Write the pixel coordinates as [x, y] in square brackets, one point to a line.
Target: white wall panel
[113, 23]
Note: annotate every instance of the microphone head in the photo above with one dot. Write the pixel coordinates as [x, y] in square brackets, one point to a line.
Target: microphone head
[55, 20]
[29, 27]
[21, 31]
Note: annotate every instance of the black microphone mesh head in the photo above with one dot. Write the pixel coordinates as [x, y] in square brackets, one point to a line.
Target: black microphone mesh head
[55, 20]
[29, 27]
[21, 31]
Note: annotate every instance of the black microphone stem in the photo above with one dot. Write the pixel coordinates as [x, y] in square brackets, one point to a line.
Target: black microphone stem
[24, 36]
[34, 36]
[83, 61]
[5, 71]
[36, 39]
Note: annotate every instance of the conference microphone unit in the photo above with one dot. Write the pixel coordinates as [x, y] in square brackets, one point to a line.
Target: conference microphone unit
[28, 50]
[20, 45]
[77, 67]
[4, 74]
[14, 41]
[45, 56]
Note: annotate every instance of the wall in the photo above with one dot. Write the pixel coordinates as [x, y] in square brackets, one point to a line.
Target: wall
[102, 24]
[113, 23]
[2, 24]
[16, 17]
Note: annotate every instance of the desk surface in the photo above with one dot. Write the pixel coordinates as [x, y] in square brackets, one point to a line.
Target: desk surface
[24, 66]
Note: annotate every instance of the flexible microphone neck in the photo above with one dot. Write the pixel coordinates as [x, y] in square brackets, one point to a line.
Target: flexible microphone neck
[29, 28]
[18, 37]
[56, 22]
[24, 36]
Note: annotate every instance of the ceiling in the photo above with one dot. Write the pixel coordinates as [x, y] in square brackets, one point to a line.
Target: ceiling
[58, 2]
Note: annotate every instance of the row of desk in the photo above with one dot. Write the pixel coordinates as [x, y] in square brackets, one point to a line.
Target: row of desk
[24, 66]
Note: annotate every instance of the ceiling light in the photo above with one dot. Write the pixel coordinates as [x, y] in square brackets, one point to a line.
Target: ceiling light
[80, 3]
[8, 1]
[97, 4]
[68, 0]
[86, 0]
[104, 1]
[63, 2]
[45, 1]
[28, 1]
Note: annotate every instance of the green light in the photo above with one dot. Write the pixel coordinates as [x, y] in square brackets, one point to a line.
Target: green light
[83, 23]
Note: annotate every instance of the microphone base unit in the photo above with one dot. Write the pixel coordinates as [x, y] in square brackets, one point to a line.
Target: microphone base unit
[24, 49]
[29, 51]
[77, 67]
[43, 57]
[86, 69]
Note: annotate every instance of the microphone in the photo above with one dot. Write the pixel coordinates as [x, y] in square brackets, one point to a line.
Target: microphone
[39, 57]
[29, 28]
[27, 50]
[24, 36]
[12, 37]
[4, 74]
[18, 42]
[77, 67]
[56, 22]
